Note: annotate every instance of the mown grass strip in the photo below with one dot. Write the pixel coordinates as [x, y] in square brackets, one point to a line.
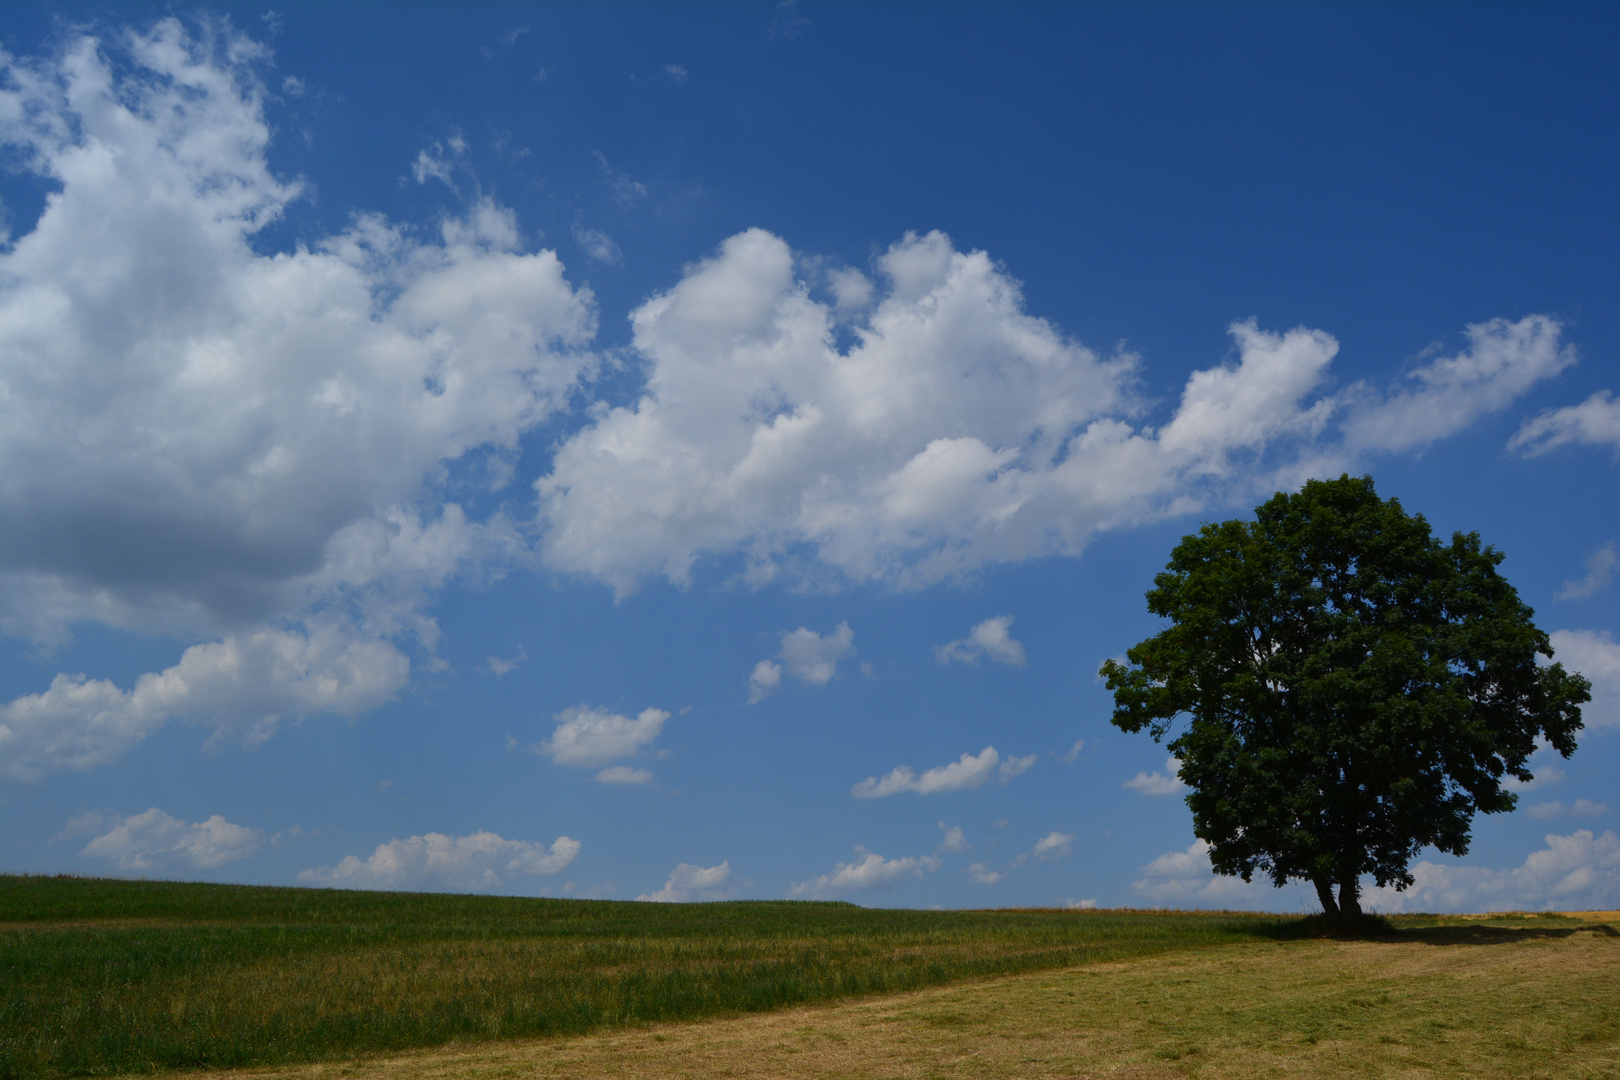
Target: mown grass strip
[106, 976]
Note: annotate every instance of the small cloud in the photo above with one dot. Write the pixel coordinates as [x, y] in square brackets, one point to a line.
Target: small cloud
[969, 771]
[588, 737]
[982, 874]
[624, 774]
[384, 785]
[540, 76]
[292, 86]
[1156, 783]
[808, 656]
[676, 72]
[498, 667]
[475, 862]
[1546, 811]
[626, 192]
[1599, 570]
[765, 679]
[1079, 905]
[787, 22]
[1054, 845]
[954, 842]
[597, 244]
[510, 38]
[1074, 752]
[871, 872]
[690, 884]
[438, 161]
[989, 639]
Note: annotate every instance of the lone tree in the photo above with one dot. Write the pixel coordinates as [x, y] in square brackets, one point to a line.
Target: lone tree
[1354, 689]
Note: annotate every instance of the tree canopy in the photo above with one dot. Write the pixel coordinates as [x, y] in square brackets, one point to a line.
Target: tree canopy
[1354, 690]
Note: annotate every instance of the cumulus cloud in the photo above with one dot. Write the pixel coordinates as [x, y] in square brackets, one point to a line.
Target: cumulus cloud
[990, 639]
[472, 863]
[808, 656]
[1599, 570]
[1054, 845]
[689, 884]
[246, 685]
[155, 842]
[588, 736]
[1578, 871]
[956, 431]
[1594, 422]
[969, 771]
[1157, 783]
[1596, 655]
[954, 842]
[200, 438]
[870, 873]
[1187, 879]
[983, 875]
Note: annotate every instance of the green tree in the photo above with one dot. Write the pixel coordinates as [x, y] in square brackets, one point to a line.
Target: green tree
[1353, 689]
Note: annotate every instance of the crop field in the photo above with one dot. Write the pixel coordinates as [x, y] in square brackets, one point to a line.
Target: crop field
[105, 977]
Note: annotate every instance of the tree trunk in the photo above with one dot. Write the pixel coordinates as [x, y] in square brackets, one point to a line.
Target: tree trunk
[1350, 898]
[1324, 893]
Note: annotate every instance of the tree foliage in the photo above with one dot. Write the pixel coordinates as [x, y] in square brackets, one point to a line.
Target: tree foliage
[1355, 690]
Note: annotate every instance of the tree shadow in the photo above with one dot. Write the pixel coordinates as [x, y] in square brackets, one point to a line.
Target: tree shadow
[1379, 928]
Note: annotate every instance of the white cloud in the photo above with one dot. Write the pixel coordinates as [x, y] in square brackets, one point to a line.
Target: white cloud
[871, 872]
[477, 862]
[500, 666]
[956, 431]
[1073, 753]
[808, 656]
[955, 842]
[597, 244]
[983, 875]
[1594, 422]
[155, 842]
[766, 677]
[1574, 872]
[624, 774]
[1599, 569]
[1014, 766]
[1072, 904]
[1502, 361]
[988, 639]
[589, 737]
[204, 440]
[1157, 783]
[969, 771]
[1186, 878]
[1054, 845]
[626, 192]
[676, 72]
[1546, 811]
[245, 685]
[1597, 656]
[690, 884]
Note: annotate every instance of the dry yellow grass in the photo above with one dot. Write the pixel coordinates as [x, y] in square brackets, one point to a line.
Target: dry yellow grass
[1526, 1003]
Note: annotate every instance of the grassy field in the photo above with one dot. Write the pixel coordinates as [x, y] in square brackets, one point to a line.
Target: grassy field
[1509, 1000]
[102, 977]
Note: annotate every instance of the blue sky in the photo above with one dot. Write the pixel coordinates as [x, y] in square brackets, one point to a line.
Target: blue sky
[703, 451]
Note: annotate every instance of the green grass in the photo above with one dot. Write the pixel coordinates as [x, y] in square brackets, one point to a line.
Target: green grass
[103, 976]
